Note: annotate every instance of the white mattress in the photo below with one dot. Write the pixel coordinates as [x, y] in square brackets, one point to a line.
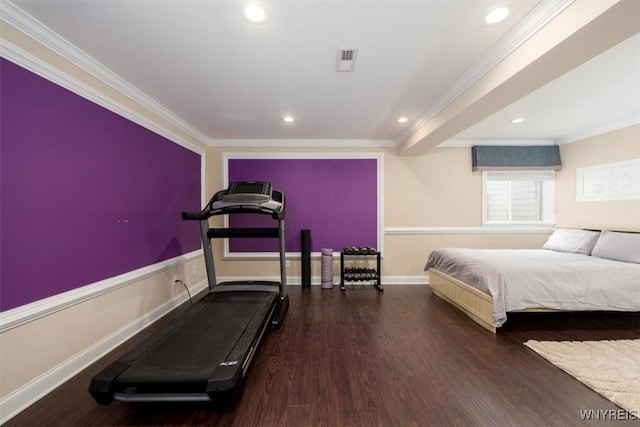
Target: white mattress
[536, 278]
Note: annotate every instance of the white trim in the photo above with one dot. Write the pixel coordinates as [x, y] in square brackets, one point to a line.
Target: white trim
[296, 280]
[37, 309]
[499, 142]
[254, 255]
[302, 143]
[599, 131]
[405, 280]
[204, 196]
[380, 183]
[609, 181]
[41, 68]
[292, 279]
[33, 28]
[520, 229]
[293, 155]
[275, 255]
[29, 393]
[226, 156]
[540, 16]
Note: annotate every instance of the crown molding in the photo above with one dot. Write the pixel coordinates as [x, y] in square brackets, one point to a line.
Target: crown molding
[42, 34]
[500, 142]
[599, 131]
[540, 16]
[301, 143]
[41, 68]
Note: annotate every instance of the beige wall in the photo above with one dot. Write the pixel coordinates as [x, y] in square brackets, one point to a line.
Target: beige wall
[622, 144]
[434, 190]
[437, 189]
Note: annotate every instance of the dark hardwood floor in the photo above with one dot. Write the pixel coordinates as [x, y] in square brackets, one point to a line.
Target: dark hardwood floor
[361, 358]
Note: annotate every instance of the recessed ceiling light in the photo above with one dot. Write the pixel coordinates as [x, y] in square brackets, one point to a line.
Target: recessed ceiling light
[497, 15]
[256, 13]
[402, 120]
[517, 120]
[288, 119]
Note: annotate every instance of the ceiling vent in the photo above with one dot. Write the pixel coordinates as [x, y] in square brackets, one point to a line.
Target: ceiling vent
[346, 59]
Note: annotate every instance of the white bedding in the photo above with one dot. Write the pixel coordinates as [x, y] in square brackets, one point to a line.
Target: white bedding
[536, 278]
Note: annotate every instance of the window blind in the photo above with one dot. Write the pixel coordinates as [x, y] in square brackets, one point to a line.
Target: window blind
[517, 197]
[520, 176]
[505, 158]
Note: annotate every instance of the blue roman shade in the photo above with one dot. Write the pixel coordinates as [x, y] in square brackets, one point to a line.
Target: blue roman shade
[507, 158]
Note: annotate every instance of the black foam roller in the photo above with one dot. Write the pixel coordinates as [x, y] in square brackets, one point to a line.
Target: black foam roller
[305, 236]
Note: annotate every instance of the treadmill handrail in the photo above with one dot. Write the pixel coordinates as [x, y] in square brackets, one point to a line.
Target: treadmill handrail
[196, 216]
[209, 211]
[223, 233]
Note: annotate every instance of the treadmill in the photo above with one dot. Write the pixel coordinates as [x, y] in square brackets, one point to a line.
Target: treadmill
[205, 354]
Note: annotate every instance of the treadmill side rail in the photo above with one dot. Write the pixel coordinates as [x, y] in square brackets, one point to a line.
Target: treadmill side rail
[205, 354]
[280, 312]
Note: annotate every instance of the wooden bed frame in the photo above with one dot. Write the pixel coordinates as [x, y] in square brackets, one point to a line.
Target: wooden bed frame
[471, 301]
[475, 303]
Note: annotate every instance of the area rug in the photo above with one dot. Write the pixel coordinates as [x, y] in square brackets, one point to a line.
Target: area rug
[611, 368]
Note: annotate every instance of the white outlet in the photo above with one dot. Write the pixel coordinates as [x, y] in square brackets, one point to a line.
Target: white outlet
[287, 263]
[194, 270]
[175, 277]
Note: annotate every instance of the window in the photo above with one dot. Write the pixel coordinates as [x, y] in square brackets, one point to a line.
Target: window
[518, 197]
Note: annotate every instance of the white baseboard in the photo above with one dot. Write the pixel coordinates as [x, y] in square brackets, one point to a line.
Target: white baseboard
[315, 280]
[405, 280]
[31, 392]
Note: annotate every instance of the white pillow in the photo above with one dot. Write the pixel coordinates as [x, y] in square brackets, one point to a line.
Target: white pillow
[572, 240]
[618, 246]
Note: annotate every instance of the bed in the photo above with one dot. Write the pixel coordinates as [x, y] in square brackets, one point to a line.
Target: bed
[576, 270]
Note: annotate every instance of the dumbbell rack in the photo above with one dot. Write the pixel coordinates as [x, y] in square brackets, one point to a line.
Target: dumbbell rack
[360, 274]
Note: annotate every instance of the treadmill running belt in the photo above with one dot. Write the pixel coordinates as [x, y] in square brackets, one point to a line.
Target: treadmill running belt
[219, 326]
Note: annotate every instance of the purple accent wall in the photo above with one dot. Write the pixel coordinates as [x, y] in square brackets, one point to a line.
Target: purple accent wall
[335, 198]
[85, 193]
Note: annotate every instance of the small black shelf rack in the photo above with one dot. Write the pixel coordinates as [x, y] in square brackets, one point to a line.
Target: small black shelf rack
[359, 271]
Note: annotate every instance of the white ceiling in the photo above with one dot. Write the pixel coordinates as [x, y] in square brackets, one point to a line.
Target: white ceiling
[599, 95]
[233, 80]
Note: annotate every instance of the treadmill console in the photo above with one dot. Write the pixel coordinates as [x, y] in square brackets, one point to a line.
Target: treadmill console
[248, 192]
[247, 196]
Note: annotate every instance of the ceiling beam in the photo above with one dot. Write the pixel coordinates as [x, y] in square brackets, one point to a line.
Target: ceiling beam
[582, 31]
